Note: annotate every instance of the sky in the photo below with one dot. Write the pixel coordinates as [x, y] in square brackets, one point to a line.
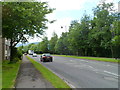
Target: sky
[67, 11]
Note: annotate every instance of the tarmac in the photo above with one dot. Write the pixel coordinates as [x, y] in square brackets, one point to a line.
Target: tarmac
[30, 77]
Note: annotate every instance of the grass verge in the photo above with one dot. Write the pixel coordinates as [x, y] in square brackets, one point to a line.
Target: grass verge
[9, 73]
[51, 77]
[93, 58]
[0, 74]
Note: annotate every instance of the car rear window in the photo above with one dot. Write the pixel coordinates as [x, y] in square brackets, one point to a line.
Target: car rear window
[46, 55]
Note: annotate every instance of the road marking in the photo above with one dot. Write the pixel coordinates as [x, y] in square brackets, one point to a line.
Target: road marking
[82, 60]
[111, 65]
[90, 61]
[62, 78]
[69, 84]
[108, 65]
[111, 73]
[84, 66]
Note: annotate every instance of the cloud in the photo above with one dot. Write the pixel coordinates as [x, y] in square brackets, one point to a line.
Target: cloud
[61, 5]
[66, 5]
[56, 26]
[34, 39]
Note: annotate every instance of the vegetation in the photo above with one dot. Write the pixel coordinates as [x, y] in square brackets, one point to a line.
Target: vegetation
[9, 73]
[97, 36]
[21, 20]
[51, 77]
[93, 58]
[0, 74]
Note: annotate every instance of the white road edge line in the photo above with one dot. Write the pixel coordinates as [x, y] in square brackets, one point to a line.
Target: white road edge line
[68, 83]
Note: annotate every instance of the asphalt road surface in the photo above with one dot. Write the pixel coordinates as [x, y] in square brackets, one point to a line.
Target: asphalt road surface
[84, 73]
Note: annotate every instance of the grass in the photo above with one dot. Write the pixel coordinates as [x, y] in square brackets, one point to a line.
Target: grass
[51, 77]
[9, 73]
[93, 58]
[0, 74]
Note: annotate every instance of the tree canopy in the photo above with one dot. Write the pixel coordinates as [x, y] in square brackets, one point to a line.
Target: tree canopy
[21, 20]
[93, 36]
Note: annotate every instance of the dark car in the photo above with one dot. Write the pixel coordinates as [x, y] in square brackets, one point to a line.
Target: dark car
[46, 58]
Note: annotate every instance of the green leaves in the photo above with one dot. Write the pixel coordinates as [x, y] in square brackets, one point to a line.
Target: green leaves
[24, 18]
[116, 40]
[44, 45]
[92, 36]
[53, 42]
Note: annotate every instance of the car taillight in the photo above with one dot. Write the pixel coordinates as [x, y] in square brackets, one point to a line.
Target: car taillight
[50, 56]
[44, 56]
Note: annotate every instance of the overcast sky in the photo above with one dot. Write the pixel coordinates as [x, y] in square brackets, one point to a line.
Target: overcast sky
[66, 11]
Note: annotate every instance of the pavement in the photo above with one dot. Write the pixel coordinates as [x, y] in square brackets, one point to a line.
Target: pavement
[30, 77]
[82, 73]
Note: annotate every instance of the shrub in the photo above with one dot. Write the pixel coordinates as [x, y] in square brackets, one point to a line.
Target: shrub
[16, 59]
[19, 54]
[16, 55]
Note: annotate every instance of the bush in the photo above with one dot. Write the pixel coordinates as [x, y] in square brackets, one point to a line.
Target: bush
[19, 54]
[16, 59]
[16, 55]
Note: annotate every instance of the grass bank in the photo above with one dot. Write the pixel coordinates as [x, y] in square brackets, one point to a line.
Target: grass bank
[51, 77]
[9, 73]
[93, 58]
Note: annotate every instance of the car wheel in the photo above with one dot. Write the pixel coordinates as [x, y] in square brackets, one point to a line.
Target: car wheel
[41, 60]
[51, 60]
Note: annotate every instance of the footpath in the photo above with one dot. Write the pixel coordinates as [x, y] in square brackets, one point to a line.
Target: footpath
[30, 77]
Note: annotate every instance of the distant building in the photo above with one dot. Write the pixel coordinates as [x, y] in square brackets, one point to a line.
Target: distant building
[1, 49]
[4, 49]
[7, 49]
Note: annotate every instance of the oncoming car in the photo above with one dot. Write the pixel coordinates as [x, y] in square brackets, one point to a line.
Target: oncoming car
[34, 55]
[46, 58]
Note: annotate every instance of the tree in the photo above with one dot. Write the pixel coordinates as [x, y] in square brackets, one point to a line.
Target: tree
[100, 34]
[84, 30]
[21, 19]
[52, 42]
[59, 46]
[44, 45]
[73, 37]
[62, 43]
[115, 41]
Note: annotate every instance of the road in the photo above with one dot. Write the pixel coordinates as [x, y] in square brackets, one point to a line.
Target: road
[84, 73]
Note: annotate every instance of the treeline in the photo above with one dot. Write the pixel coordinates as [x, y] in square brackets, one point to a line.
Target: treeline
[93, 36]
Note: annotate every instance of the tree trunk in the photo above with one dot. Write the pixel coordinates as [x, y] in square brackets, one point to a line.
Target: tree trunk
[85, 51]
[111, 51]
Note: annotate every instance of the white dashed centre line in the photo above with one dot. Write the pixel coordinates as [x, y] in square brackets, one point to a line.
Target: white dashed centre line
[111, 73]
